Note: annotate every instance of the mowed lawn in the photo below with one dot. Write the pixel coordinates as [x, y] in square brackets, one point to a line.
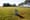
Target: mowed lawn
[8, 13]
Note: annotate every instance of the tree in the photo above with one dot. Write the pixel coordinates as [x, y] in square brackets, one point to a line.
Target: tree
[4, 4]
[8, 4]
[21, 4]
[14, 5]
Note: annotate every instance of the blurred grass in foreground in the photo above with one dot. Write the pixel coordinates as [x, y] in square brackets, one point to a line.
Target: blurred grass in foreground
[26, 14]
[7, 13]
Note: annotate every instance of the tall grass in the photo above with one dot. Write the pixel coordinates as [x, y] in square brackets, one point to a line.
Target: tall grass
[8, 13]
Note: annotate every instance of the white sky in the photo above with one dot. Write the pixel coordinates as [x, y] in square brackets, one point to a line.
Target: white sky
[11, 1]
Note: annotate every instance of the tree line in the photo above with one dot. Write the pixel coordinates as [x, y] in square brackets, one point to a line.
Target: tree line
[9, 5]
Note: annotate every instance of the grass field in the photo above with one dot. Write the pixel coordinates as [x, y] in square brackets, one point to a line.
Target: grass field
[8, 13]
[26, 12]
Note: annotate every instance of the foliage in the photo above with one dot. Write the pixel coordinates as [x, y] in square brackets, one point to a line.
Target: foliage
[9, 5]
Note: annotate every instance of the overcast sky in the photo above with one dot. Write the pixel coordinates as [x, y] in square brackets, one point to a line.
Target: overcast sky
[11, 1]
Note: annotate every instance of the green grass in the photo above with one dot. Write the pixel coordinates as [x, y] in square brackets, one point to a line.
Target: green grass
[7, 13]
[26, 14]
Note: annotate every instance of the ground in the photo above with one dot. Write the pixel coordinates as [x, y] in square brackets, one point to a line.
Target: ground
[8, 13]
